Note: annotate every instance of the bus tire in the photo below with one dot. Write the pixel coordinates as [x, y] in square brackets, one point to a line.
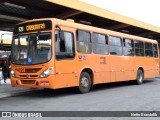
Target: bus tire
[140, 76]
[84, 83]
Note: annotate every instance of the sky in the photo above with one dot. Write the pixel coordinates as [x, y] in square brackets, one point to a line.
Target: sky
[147, 11]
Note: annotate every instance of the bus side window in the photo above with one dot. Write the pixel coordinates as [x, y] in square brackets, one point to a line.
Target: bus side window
[139, 48]
[155, 50]
[115, 45]
[64, 46]
[84, 41]
[100, 43]
[128, 47]
[148, 50]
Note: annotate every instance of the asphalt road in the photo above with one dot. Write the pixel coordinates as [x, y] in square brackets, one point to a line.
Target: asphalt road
[122, 96]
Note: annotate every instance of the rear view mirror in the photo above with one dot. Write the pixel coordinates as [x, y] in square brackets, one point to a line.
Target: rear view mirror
[61, 35]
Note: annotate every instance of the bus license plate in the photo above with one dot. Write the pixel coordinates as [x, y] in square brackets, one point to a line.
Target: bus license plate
[44, 83]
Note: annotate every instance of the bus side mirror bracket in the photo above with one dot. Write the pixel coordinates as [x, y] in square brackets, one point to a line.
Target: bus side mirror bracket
[60, 33]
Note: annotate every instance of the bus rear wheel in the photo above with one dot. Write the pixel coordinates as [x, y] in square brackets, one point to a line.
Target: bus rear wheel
[140, 76]
[84, 83]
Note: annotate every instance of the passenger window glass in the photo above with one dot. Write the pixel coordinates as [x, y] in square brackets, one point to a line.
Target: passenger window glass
[100, 44]
[155, 50]
[64, 45]
[84, 42]
[115, 41]
[115, 47]
[139, 48]
[128, 47]
[148, 50]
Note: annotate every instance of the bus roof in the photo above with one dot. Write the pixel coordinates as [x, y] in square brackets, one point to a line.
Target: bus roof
[103, 31]
[71, 23]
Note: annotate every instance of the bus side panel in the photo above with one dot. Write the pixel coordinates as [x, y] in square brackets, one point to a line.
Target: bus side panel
[66, 68]
[140, 62]
[117, 63]
[149, 67]
[66, 73]
[129, 64]
[101, 67]
[86, 61]
[155, 67]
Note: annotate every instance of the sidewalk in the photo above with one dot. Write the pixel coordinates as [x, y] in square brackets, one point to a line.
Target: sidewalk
[6, 90]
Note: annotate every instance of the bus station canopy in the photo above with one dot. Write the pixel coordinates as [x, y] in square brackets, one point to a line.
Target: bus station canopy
[15, 11]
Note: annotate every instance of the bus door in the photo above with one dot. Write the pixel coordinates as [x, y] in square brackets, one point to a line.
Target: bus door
[102, 69]
[65, 61]
[129, 59]
[129, 65]
[117, 71]
[101, 63]
[116, 58]
[156, 59]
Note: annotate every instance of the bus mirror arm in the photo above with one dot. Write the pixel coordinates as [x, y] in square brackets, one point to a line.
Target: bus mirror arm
[60, 33]
[57, 26]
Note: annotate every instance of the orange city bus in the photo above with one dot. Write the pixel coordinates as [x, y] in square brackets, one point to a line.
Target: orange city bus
[52, 53]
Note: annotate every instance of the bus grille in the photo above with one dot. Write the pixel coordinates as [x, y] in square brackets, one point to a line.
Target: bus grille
[32, 70]
[27, 81]
[27, 70]
[28, 76]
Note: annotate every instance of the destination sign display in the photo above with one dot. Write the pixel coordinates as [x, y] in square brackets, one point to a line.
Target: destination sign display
[33, 26]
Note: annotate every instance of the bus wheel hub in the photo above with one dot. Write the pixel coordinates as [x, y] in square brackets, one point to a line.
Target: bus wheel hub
[84, 82]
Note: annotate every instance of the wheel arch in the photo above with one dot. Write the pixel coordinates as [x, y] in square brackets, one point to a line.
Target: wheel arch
[90, 72]
[141, 68]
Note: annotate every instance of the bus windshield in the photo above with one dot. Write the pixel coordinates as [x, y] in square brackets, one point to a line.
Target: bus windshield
[31, 48]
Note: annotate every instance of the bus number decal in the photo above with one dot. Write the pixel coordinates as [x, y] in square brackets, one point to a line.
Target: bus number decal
[21, 29]
[102, 60]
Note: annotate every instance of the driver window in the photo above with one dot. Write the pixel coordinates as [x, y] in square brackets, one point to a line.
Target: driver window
[64, 45]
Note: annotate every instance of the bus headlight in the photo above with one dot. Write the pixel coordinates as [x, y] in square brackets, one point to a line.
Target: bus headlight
[14, 74]
[46, 73]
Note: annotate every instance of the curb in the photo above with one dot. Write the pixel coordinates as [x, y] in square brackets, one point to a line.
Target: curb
[4, 95]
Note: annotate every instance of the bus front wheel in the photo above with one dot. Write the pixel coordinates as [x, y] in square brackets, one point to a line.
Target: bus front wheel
[84, 83]
[140, 76]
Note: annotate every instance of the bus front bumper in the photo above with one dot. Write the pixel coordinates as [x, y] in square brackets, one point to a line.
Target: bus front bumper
[47, 82]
